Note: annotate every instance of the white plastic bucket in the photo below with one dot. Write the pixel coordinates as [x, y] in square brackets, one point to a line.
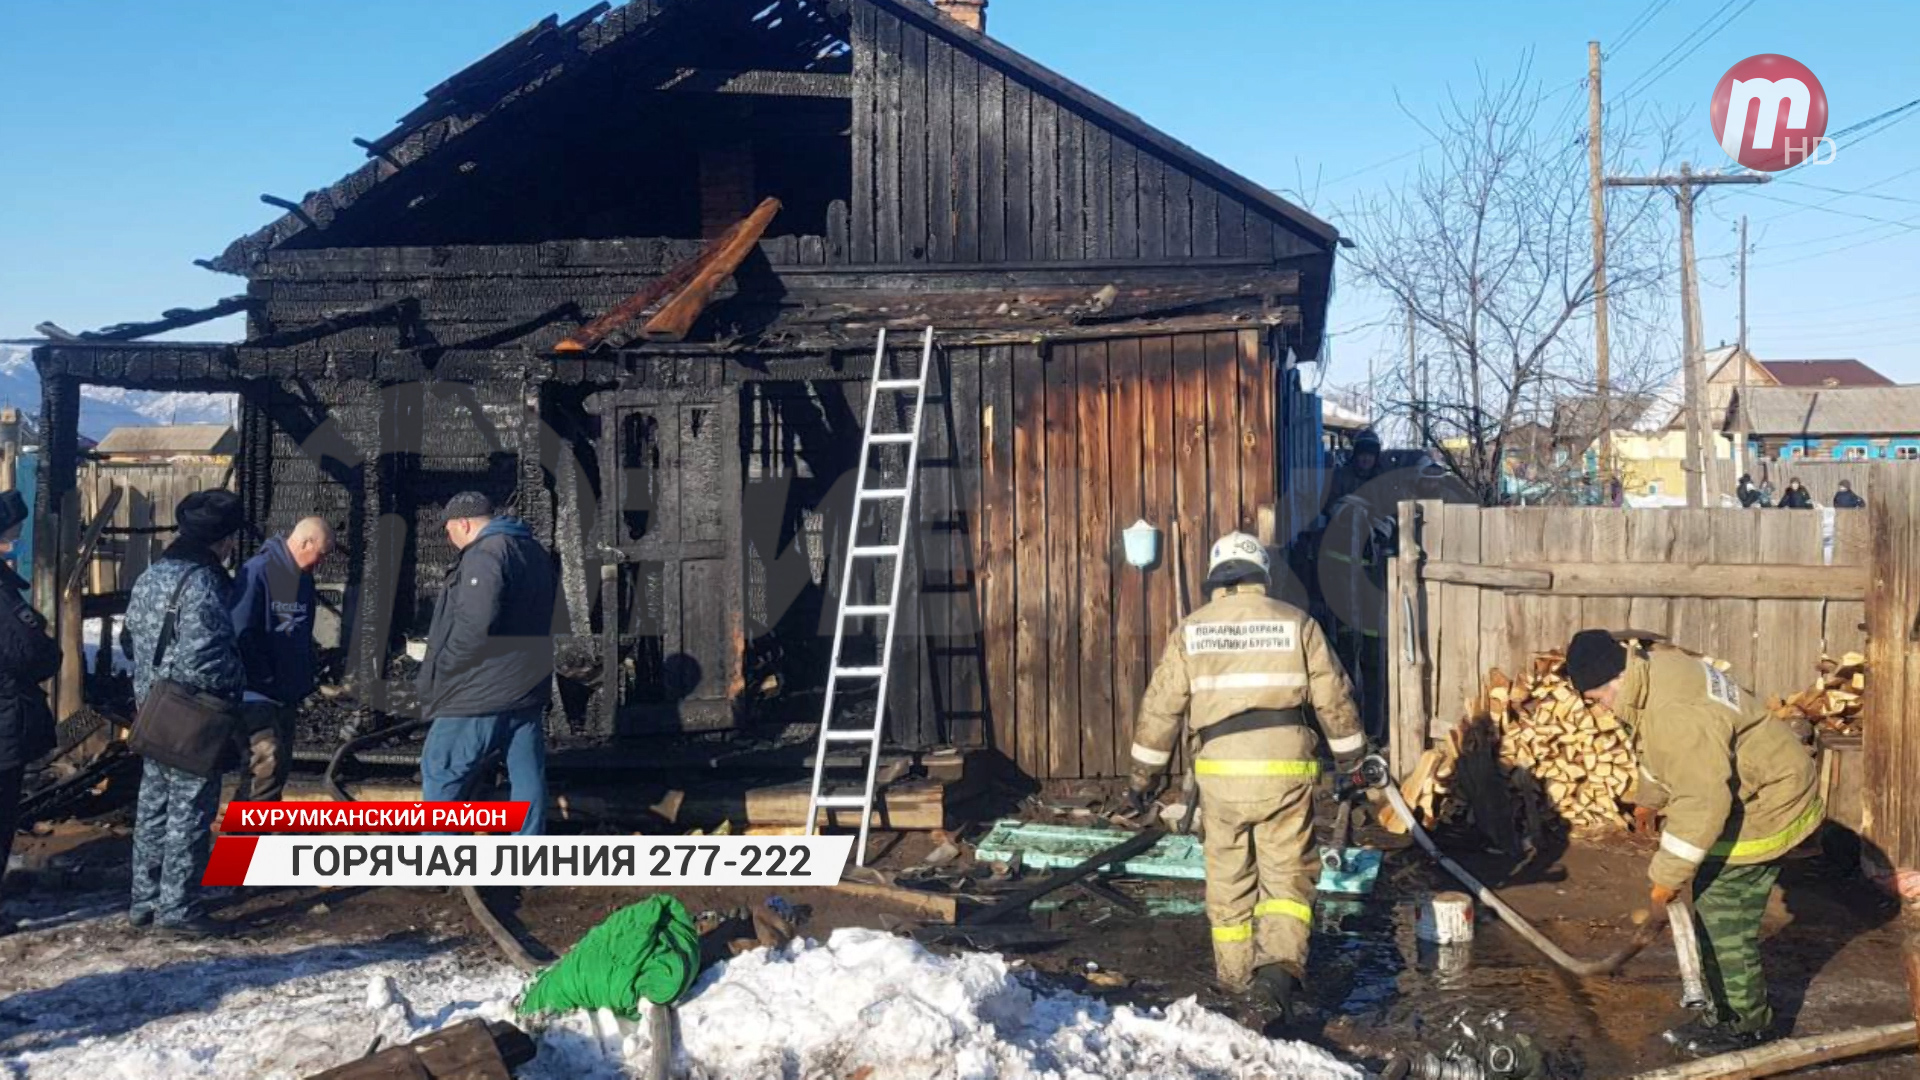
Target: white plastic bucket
[1445, 919]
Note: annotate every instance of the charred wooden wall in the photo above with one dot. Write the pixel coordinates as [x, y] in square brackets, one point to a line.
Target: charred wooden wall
[957, 159]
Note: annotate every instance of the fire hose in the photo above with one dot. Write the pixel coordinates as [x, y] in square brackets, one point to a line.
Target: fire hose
[1375, 774]
[510, 946]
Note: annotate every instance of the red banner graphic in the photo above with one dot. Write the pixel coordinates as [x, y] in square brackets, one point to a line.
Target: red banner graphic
[373, 817]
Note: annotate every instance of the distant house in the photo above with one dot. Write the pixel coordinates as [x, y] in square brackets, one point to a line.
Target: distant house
[180, 442]
[1855, 423]
[1650, 449]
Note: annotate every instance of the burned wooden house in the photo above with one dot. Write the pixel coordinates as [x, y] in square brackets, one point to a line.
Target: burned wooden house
[560, 281]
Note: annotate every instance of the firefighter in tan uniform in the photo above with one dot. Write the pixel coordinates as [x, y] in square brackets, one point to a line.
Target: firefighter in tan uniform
[1738, 791]
[1241, 668]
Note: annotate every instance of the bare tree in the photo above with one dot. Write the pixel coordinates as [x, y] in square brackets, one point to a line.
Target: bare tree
[1488, 250]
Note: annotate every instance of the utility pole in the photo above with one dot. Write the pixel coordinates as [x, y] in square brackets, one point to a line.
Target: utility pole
[1596, 190]
[1740, 413]
[1700, 456]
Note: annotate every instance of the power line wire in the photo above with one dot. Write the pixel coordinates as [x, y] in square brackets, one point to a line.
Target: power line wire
[1658, 72]
[1896, 110]
[1857, 192]
[1646, 16]
[1828, 210]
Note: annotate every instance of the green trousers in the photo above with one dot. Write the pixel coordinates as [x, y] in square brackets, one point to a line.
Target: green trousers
[1729, 902]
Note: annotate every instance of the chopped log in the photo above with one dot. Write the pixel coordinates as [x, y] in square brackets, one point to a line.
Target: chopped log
[470, 1050]
[1834, 703]
[677, 316]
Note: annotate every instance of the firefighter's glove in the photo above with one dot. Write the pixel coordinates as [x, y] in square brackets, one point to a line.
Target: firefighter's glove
[1646, 820]
[1142, 786]
[1662, 895]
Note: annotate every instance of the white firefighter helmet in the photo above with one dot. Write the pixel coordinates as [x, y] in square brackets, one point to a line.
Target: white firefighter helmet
[1237, 547]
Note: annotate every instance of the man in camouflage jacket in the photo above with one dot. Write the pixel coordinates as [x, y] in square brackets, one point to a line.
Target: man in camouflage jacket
[173, 827]
[1739, 790]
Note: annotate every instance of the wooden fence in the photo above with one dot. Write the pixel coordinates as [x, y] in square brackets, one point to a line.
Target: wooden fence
[142, 524]
[1475, 589]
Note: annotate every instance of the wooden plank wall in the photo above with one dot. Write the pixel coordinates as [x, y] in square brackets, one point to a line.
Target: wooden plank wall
[146, 510]
[1774, 645]
[1049, 636]
[960, 161]
[1891, 739]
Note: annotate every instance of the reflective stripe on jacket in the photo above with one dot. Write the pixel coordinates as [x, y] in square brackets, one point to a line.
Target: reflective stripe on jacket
[1242, 652]
[1736, 784]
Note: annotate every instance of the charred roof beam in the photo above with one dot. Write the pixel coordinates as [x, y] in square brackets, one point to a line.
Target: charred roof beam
[800, 84]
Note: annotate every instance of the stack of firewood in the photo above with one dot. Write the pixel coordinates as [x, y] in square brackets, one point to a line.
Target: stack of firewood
[1530, 753]
[1832, 703]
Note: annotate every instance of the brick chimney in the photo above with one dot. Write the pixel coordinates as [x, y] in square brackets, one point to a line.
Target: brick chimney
[971, 14]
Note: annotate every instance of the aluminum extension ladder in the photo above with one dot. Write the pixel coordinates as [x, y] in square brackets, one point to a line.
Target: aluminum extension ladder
[820, 799]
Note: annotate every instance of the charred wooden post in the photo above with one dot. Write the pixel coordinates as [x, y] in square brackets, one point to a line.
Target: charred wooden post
[9, 448]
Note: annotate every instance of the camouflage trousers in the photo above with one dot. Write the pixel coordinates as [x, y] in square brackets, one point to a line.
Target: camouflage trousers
[1729, 902]
[172, 839]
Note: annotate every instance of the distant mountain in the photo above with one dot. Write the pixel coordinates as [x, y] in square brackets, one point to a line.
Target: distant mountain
[103, 408]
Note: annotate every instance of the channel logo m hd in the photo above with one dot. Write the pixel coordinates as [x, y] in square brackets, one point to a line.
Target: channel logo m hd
[1770, 113]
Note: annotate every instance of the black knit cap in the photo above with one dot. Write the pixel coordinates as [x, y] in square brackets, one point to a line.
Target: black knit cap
[1594, 659]
[467, 504]
[209, 516]
[13, 510]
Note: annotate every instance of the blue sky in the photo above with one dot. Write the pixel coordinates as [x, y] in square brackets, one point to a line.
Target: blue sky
[139, 135]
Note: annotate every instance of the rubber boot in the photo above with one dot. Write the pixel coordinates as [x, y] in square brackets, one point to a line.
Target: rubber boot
[1280, 985]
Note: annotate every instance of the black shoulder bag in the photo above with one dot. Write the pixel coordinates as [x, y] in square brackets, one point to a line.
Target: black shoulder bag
[178, 726]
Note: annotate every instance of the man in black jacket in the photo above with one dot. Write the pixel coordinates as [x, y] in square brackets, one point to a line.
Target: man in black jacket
[28, 657]
[1796, 496]
[1845, 499]
[489, 665]
[273, 607]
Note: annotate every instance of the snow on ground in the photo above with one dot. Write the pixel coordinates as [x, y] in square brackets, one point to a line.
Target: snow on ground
[148, 1009]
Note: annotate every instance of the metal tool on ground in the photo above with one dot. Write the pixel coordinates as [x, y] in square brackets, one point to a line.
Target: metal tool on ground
[1643, 935]
[1344, 869]
[1021, 898]
[1686, 948]
[869, 736]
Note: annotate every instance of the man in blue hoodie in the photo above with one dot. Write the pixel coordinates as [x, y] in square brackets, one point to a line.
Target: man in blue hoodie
[273, 618]
[488, 671]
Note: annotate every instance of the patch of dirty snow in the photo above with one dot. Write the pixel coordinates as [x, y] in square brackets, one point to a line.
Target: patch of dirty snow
[862, 998]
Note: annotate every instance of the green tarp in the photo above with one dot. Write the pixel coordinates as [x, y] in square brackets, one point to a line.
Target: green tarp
[650, 950]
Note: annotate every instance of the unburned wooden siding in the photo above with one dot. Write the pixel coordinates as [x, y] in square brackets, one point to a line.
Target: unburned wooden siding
[958, 160]
[1774, 645]
[1038, 638]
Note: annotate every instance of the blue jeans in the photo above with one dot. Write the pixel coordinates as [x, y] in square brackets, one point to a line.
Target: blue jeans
[456, 745]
